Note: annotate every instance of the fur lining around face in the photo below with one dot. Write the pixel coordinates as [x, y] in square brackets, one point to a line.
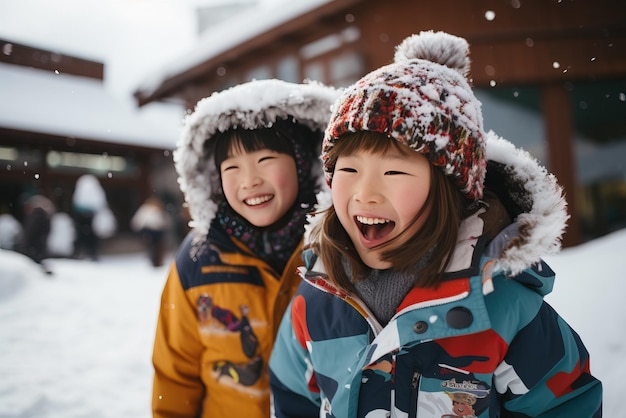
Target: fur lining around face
[256, 104]
[534, 199]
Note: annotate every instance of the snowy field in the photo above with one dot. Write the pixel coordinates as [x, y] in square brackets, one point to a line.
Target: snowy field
[78, 343]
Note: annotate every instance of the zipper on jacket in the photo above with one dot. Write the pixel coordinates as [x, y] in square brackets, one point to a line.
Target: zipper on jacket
[415, 383]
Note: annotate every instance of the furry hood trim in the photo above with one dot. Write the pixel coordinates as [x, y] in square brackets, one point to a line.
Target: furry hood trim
[531, 194]
[534, 197]
[252, 105]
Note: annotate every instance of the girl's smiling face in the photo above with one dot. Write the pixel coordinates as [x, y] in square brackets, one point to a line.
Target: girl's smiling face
[260, 185]
[377, 196]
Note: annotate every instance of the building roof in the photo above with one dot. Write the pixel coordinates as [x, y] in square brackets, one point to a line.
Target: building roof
[254, 26]
[226, 40]
[48, 102]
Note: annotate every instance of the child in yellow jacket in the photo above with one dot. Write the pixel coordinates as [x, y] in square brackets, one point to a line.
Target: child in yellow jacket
[248, 168]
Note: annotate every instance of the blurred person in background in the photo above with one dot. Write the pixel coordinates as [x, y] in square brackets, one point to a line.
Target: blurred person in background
[38, 211]
[10, 231]
[62, 235]
[151, 222]
[93, 219]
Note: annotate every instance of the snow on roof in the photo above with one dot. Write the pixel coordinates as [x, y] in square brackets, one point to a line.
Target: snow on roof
[41, 101]
[230, 33]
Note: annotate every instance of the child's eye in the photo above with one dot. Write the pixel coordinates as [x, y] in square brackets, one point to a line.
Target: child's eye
[267, 157]
[228, 167]
[347, 169]
[393, 173]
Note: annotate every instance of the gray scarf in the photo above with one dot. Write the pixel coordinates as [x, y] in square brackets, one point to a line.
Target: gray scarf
[383, 290]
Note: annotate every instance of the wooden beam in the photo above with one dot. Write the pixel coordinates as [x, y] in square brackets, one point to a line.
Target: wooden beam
[558, 127]
[19, 54]
[548, 60]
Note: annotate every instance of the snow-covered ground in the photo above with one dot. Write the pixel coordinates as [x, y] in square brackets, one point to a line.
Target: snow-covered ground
[78, 343]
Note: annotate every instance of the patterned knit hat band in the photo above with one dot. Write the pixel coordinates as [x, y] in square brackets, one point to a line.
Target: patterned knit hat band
[423, 101]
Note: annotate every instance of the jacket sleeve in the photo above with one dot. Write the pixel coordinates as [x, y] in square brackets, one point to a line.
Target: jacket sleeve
[546, 369]
[292, 381]
[177, 388]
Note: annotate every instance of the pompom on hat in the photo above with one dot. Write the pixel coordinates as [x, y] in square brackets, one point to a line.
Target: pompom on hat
[422, 100]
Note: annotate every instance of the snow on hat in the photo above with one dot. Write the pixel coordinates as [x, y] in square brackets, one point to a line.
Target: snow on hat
[251, 105]
[422, 100]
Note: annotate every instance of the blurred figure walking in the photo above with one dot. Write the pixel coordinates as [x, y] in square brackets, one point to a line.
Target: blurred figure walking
[150, 221]
[38, 211]
[10, 231]
[62, 235]
[92, 217]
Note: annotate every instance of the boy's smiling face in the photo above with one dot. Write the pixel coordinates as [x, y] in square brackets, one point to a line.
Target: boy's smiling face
[261, 185]
[377, 196]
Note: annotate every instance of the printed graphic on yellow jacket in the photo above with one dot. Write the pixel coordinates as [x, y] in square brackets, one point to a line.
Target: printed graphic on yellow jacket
[214, 318]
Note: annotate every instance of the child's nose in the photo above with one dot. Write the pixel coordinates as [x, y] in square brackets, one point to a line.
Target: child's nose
[368, 192]
[250, 179]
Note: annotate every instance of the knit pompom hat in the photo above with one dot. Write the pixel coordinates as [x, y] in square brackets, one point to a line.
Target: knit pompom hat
[422, 100]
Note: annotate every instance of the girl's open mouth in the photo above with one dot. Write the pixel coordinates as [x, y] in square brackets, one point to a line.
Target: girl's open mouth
[374, 229]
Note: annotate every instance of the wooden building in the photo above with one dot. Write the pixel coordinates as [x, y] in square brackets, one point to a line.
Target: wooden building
[563, 60]
[57, 122]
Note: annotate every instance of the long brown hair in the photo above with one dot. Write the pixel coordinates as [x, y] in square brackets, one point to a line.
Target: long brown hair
[440, 218]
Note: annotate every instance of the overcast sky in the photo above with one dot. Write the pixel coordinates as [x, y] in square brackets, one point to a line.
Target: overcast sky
[131, 37]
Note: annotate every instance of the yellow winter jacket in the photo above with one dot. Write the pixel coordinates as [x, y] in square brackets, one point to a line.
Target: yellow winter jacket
[220, 311]
[221, 304]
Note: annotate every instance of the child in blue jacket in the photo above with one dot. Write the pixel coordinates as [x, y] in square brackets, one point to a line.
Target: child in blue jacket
[423, 288]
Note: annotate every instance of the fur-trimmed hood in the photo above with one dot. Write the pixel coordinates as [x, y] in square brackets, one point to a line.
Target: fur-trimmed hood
[531, 195]
[256, 104]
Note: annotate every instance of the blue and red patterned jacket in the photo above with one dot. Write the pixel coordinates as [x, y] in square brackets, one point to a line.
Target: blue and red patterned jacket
[484, 344]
